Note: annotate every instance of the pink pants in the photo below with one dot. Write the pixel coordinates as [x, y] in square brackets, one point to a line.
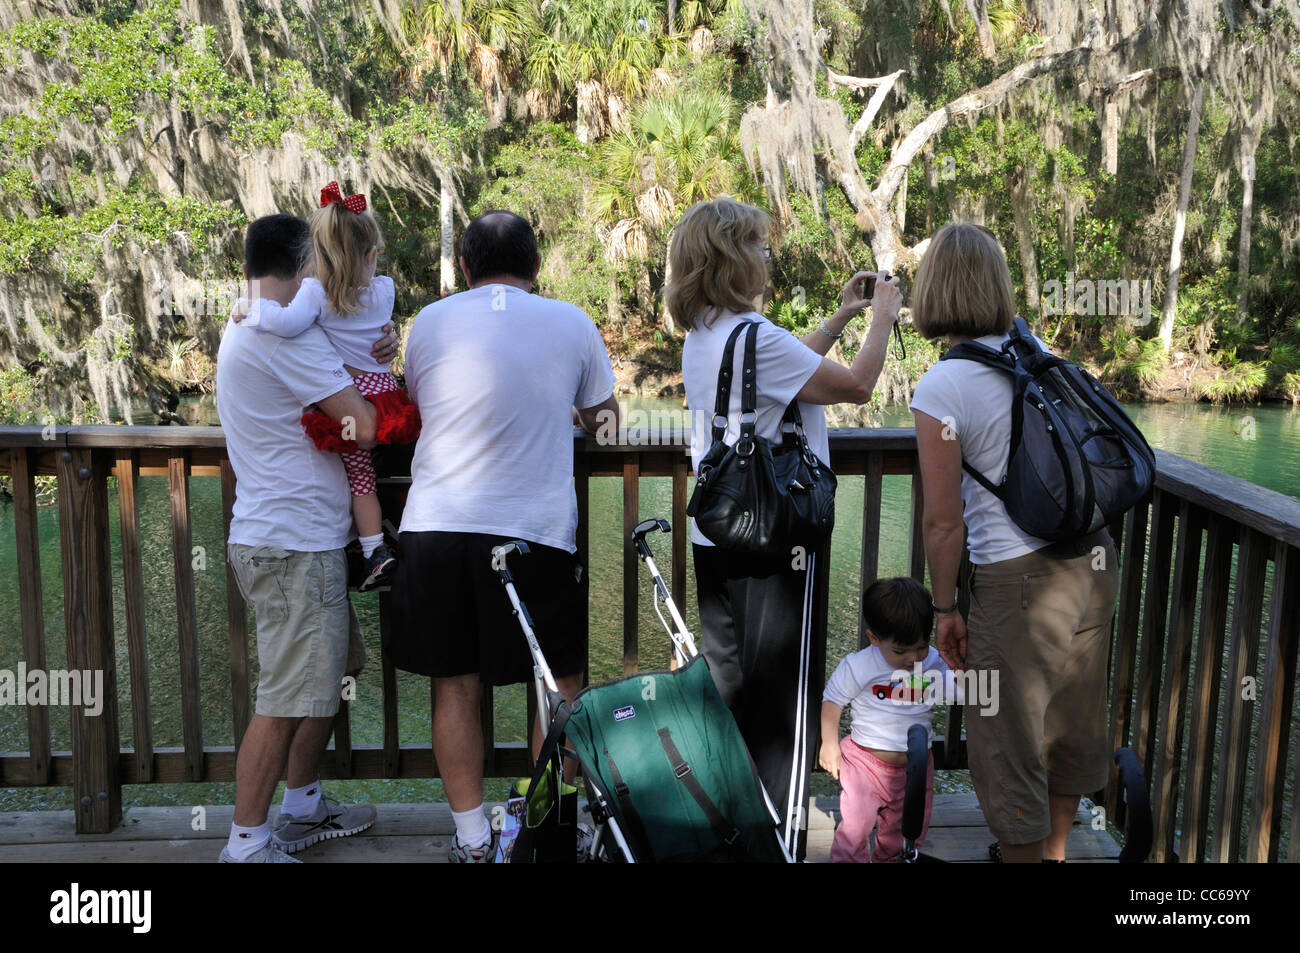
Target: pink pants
[872, 796]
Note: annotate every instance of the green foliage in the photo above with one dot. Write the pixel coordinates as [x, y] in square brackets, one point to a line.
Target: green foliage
[18, 397]
[1239, 381]
[328, 75]
[74, 243]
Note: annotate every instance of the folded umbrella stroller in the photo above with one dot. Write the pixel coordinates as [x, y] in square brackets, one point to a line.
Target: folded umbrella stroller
[667, 773]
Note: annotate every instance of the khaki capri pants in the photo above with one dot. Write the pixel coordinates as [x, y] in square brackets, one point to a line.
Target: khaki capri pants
[1043, 621]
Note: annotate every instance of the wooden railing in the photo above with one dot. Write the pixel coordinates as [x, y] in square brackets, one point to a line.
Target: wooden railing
[1188, 637]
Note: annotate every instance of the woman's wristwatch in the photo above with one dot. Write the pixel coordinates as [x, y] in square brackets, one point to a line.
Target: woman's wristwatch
[940, 611]
[829, 333]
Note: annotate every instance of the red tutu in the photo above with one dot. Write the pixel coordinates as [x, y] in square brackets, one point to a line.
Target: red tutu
[398, 420]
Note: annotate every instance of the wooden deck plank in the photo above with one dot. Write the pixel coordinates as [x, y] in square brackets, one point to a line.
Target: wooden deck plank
[420, 832]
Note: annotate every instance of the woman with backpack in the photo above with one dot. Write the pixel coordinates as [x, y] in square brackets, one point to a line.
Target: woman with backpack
[1040, 611]
[757, 611]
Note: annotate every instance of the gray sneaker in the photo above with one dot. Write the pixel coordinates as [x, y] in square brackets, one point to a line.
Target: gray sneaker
[458, 853]
[331, 819]
[270, 853]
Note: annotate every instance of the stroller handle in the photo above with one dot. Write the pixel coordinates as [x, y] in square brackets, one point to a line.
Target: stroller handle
[501, 555]
[683, 643]
[647, 526]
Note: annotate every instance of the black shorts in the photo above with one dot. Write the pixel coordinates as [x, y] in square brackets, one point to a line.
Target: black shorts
[451, 614]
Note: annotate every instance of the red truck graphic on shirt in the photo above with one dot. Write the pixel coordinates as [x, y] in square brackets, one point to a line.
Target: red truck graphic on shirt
[909, 690]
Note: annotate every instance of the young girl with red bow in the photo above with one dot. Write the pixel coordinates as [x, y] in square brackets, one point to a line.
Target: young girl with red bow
[351, 304]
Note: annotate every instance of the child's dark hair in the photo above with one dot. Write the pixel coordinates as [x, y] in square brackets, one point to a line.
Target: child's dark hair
[898, 610]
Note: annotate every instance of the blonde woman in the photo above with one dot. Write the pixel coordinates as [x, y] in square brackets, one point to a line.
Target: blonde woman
[1039, 613]
[757, 614]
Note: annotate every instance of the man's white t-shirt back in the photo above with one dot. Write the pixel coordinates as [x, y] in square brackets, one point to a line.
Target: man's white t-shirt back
[288, 493]
[496, 372]
[975, 401]
[782, 364]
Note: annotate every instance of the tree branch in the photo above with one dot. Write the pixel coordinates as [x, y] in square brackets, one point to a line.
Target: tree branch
[981, 99]
[885, 85]
[1133, 79]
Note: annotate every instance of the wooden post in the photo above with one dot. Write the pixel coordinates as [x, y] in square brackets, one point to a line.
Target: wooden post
[241, 709]
[681, 531]
[631, 567]
[1204, 741]
[30, 607]
[187, 619]
[127, 473]
[487, 723]
[1132, 572]
[1248, 607]
[343, 740]
[1154, 620]
[1178, 660]
[1275, 707]
[582, 491]
[392, 746]
[869, 568]
[88, 612]
[916, 544]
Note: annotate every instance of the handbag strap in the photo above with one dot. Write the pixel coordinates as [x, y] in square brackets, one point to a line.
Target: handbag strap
[748, 386]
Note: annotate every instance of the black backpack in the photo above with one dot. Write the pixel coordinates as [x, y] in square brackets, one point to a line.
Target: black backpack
[1077, 462]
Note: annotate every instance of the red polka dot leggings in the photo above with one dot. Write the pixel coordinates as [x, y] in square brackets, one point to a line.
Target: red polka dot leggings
[358, 464]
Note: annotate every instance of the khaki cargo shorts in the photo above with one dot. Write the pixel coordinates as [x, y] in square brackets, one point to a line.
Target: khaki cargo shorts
[308, 636]
[1043, 620]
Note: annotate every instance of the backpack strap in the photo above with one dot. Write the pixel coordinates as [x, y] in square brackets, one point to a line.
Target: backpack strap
[1003, 361]
[1020, 340]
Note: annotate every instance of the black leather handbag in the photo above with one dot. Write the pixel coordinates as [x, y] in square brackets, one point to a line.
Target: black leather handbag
[753, 496]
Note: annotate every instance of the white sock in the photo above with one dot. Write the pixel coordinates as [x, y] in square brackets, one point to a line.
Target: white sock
[370, 543]
[472, 827]
[246, 841]
[301, 802]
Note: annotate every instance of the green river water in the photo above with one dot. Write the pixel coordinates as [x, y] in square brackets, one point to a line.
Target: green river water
[1259, 444]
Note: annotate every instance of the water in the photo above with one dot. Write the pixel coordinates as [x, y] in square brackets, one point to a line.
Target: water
[1260, 444]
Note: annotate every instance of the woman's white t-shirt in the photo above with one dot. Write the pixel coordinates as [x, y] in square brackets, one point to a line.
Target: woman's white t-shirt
[974, 400]
[782, 363]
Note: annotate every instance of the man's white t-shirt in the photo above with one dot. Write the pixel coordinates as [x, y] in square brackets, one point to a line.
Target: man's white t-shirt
[352, 335]
[882, 705]
[288, 493]
[782, 363]
[975, 401]
[496, 373]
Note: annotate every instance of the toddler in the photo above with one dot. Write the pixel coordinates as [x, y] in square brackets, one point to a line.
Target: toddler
[351, 304]
[871, 762]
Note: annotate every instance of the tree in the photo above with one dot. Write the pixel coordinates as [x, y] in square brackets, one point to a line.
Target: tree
[605, 53]
[1170, 306]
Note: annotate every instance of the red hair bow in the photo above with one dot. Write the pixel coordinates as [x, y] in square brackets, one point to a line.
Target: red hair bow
[331, 194]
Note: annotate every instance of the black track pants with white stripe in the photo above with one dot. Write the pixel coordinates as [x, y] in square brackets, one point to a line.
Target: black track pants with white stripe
[758, 618]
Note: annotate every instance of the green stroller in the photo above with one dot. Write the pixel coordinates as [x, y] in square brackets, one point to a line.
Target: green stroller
[667, 774]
